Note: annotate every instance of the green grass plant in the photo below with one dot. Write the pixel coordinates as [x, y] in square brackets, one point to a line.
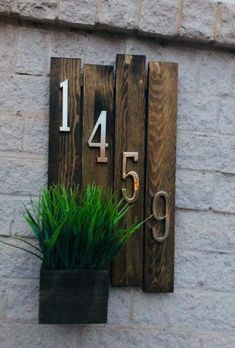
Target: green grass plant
[77, 229]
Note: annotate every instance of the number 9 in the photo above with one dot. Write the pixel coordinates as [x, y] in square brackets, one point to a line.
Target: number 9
[157, 217]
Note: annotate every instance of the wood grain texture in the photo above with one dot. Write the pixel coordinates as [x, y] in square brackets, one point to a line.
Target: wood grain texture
[160, 173]
[130, 136]
[64, 163]
[98, 96]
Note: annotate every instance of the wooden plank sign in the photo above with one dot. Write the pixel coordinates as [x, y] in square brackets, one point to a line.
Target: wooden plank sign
[117, 129]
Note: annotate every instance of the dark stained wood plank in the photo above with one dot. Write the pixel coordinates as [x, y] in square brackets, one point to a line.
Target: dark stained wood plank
[160, 175]
[64, 164]
[130, 136]
[98, 96]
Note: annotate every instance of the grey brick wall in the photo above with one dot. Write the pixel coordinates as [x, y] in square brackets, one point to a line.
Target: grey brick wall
[201, 312]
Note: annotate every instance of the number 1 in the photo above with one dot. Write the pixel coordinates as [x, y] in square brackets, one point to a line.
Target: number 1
[64, 86]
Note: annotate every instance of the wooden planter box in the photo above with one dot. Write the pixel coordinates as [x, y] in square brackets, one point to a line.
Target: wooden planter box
[73, 297]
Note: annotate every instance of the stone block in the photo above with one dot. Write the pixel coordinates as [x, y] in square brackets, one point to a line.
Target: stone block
[119, 14]
[19, 176]
[3, 299]
[152, 336]
[38, 9]
[194, 190]
[7, 214]
[31, 51]
[226, 34]
[216, 71]
[119, 305]
[36, 336]
[7, 34]
[196, 113]
[16, 263]
[226, 115]
[19, 226]
[202, 310]
[78, 12]
[204, 270]
[199, 18]
[22, 300]
[28, 93]
[228, 154]
[224, 195]
[160, 17]
[6, 6]
[91, 49]
[199, 151]
[202, 231]
[36, 134]
[11, 131]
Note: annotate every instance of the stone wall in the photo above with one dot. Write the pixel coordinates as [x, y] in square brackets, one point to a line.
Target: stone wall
[201, 311]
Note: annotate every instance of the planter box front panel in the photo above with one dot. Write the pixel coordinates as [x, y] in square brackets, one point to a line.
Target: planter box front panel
[73, 297]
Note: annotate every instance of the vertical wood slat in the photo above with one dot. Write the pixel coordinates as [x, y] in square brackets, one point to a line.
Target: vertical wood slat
[130, 136]
[64, 161]
[98, 96]
[160, 173]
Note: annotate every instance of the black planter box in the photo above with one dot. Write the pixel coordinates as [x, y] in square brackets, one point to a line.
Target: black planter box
[73, 297]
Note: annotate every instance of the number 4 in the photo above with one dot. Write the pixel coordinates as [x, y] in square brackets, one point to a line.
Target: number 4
[102, 144]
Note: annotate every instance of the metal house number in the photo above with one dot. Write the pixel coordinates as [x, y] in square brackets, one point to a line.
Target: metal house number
[102, 145]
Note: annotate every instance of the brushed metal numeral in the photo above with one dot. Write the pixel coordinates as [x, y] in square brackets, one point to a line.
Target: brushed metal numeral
[158, 217]
[64, 86]
[133, 174]
[102, 144]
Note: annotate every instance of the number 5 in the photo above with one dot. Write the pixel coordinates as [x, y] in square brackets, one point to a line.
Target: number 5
[134, 175]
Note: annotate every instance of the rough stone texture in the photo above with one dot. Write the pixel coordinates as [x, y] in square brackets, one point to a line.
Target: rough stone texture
[35, 336]
[227, 119]
[37, 9]
[204, 270]
[201, 311]
[7, 215]
[149, 337]
[6, 6]
[80, 12]
[194, 190]
[119, 306]
[226, 35]
[224, 195]
[3, 299]
[202, 231]
[197, 114]
[31, 52]
[160, 17]
[199, 151]
[22, 300]
[116, 13]
[22, 176]
[215, 73]
[29, 93]
[36, 134]
[11, 131]
[7, 57]
[87, 47]
[16, 263]
[199, 19]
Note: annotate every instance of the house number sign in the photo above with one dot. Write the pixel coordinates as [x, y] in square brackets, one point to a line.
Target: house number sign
[117, 128]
